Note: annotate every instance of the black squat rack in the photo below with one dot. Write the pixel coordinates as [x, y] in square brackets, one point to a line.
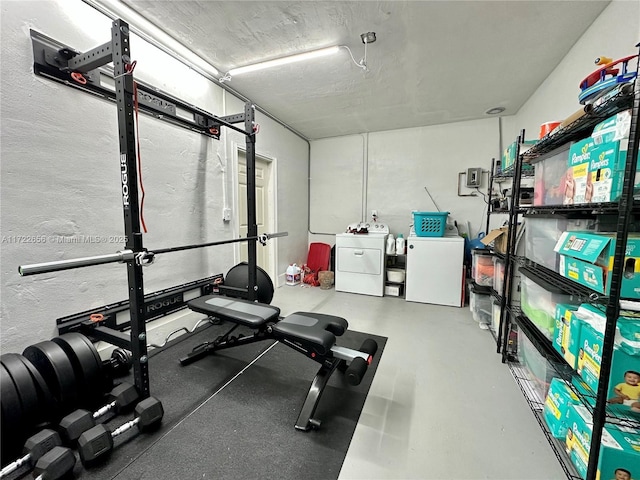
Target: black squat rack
[88, 72]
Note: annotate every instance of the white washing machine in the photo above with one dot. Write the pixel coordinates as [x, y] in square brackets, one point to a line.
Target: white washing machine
[360, 261]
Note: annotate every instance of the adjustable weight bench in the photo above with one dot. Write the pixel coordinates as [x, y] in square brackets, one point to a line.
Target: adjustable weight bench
[312, 334]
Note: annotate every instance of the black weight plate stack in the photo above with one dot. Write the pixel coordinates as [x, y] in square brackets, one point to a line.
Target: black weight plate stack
[11, 418]
[91, 380]
[58, 373]
[48, 404]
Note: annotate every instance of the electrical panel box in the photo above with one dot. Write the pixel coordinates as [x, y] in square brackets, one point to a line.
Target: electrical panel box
[474, 177]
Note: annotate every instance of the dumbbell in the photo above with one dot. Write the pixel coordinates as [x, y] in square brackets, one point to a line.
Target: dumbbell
[98, 441]
[54, 464]
[76, 423]
[34, 448]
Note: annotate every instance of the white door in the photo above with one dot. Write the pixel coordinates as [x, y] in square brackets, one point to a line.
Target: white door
[264, 209]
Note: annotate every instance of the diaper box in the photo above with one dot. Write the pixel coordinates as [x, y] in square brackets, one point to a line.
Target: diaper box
[619, 456]
[510, 153]
[587, 258]
[575, 178]
[613, 128]
[566, 333]
[556, 407]
[606, 172]
[623, 393]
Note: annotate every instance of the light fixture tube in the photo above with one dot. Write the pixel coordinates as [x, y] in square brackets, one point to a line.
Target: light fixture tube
[154, 35]
[284, 60]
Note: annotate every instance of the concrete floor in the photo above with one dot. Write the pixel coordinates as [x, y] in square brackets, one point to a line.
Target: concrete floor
[442, 405]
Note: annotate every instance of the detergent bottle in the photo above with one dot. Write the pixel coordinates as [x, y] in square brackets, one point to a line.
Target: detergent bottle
[391, 245]
[294, 274]
[400, 244]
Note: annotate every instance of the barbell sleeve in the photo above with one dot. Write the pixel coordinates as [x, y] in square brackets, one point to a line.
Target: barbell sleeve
[58, 265]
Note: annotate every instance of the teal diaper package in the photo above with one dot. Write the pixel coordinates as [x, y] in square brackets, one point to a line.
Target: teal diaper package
[566, 333]
[556, 407]
[619, 456]
[623, 393]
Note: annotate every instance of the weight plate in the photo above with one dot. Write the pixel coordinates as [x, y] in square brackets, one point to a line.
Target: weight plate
[238, 277]
[86, 365]
[25, 386]
[48, 404]
[54, 365]
[10, 405]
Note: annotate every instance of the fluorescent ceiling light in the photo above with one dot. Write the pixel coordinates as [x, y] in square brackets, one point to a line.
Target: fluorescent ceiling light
[284, 60]
[154, 35]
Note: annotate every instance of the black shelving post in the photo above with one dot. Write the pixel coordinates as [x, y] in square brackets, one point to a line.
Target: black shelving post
[613, 306]
[252, 226]
[493, 168]
[505, 307]
[129, 186]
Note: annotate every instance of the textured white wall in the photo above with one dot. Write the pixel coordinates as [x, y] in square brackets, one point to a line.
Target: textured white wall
[398, 165]
[613, 34]
[60, 177]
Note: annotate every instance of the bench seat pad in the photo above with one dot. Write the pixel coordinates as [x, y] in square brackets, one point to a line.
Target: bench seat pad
[235, 310]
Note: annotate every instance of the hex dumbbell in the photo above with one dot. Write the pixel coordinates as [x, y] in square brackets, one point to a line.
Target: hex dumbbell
[54, 464]
[76, 423]
[98, 441]
[34, 448]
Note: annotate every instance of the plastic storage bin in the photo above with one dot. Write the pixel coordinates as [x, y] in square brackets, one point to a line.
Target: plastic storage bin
[542, 233]
[498, 275]
[539, 300]
[550, 178]
[495, 315]
[482, 267]
[430, 224]
[480, 306]
[539, 371]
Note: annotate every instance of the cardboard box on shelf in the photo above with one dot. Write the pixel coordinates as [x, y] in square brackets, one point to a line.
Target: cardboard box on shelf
[575, 179]
[499, 239]
[586, 258]
[509, 155]
[619, 447]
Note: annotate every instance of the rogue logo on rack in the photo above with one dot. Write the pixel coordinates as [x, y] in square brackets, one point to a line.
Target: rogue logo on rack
[124, 177]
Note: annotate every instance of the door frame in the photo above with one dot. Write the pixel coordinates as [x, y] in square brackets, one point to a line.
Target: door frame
[272, 211]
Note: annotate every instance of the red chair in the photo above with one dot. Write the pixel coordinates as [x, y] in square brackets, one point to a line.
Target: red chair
[319, 256]
[317, 260]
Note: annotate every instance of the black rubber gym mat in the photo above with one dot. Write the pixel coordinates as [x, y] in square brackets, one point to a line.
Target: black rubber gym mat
[247, 429]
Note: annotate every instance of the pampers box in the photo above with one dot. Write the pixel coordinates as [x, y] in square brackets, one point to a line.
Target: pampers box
[587, 258]
[575, 187]
[606, 172]
[626, 356]
[619, 447]
[566, 333]
[556, 407]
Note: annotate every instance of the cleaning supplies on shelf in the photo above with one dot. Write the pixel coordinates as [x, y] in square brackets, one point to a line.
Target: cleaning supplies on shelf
[391, 245]
[400, 245]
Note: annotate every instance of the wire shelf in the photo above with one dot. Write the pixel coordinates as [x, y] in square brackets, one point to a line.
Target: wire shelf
[613, 417]
[565, 284]
[584, 209]
[536, 404]
[620, 100]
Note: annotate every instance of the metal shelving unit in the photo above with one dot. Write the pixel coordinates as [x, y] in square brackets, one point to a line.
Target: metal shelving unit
[536, 404]
[623, 97]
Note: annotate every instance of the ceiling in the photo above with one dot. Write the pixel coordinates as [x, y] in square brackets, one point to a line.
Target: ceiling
[433, 62]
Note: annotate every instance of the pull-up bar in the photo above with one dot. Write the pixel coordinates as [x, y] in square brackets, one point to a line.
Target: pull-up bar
[142, 258]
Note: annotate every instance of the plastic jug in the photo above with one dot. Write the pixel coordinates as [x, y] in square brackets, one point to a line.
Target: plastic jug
[391, 245]
[400, 244]
[294, 274]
